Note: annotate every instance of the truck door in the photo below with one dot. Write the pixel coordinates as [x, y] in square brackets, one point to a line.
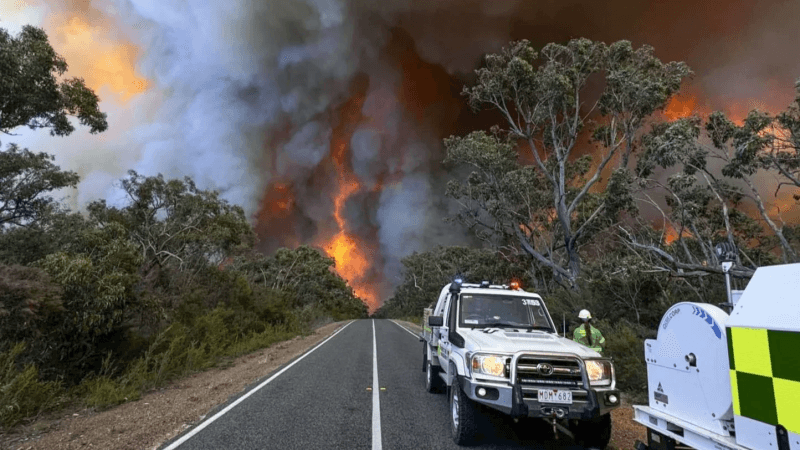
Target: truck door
[444, 332]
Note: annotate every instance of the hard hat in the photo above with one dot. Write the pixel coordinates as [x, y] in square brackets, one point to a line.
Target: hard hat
[584, 314]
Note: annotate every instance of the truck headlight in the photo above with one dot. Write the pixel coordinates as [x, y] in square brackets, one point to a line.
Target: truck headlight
[599, 372]
[493, 365]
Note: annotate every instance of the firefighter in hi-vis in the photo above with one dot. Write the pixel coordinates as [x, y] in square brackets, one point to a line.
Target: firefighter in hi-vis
[588, 335]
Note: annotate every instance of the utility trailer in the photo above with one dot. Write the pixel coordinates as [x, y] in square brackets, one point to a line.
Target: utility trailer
[720, 381]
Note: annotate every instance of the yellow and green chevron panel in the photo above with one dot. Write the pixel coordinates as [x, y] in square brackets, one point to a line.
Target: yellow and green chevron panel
[765, 375]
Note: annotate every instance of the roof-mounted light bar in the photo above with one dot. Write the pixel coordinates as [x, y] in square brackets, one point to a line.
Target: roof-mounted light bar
[459, 284]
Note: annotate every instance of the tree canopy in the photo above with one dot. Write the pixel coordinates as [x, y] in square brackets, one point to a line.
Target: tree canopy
[717, 191]
[173, 222]
[548, 208]
[31, 93]
[26, 179]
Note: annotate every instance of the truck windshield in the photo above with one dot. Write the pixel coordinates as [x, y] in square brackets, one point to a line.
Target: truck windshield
[481, 310]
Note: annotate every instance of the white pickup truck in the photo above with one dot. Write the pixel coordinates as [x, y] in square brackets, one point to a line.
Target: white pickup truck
[498, 346]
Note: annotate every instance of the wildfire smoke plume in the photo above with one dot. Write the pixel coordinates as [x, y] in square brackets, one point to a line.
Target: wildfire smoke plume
[325, 118]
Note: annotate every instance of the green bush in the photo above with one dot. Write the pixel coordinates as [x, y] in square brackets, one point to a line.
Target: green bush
[102, 392]
[625, 344]
[22, 395]
[180, 350]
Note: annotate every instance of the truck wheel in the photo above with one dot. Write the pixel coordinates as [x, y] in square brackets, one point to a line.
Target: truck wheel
[463, 416]
[433, 383]
[594, 433]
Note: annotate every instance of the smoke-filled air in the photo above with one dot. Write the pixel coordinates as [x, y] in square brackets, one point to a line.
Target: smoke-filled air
[324, 119]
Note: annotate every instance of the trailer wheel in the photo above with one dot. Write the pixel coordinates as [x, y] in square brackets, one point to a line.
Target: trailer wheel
[594, 433]
[433, 383]
[463, 416]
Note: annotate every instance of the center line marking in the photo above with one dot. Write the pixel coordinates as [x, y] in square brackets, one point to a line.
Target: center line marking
[376, 400]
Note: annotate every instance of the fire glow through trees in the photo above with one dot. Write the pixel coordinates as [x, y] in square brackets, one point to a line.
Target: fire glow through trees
[325, 118]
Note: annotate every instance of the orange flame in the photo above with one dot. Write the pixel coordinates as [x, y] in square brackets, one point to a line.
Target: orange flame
[680, 106]
[349, 252]
[671, 234]
[279, 200]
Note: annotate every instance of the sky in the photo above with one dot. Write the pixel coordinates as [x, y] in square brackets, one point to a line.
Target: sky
[324, 119]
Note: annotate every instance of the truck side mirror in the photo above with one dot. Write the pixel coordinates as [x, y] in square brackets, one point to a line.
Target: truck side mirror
[435, 321]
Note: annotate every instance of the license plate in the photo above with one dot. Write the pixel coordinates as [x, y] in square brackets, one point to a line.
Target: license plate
[555, 396]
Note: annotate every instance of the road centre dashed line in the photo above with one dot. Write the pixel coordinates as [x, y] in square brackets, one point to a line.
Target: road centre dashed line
[377, 441]
[216, 416]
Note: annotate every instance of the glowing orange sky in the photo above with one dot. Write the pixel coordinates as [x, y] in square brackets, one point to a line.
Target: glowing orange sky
[93, 55]
[681, 105]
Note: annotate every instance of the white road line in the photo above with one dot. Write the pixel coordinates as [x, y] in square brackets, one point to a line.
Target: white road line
[409, 331]
[216, 416]
[377, 442]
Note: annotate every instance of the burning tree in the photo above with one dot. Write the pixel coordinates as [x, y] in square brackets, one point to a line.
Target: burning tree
[548, 209]
[722, 170]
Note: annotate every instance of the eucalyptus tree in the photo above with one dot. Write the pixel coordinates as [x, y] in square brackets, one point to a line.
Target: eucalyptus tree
[718, 191]
[551, 207]
[32, 93]
[176, 225]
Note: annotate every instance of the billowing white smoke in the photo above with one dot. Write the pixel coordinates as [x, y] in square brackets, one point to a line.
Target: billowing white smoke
[226, 77]
[232, 73]
[229, 71]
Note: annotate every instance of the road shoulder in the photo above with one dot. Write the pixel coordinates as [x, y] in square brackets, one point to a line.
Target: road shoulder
[162, 414]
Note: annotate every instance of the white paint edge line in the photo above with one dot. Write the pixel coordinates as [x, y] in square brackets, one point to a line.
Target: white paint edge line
[377, 441]
[216, 416]
[409, 331]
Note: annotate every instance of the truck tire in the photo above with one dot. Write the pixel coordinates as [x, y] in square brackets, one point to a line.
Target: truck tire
[433, 382]
[594, 433]
[463, 416]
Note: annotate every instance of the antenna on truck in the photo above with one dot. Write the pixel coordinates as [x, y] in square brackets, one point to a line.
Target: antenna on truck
[726, 254]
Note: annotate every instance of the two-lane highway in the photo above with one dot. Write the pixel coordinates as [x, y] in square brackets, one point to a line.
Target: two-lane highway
[362, 388]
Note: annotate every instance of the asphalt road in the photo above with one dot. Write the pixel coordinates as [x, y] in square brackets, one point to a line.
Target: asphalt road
[325, 399]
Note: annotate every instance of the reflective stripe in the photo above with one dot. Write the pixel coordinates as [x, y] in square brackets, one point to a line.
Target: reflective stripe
[751, 351]
[598, 340]
[735, 392]
[765, 375]
[787, 399]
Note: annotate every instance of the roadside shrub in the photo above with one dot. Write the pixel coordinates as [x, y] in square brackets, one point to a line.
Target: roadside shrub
[22, 395]
[103, 392]
[625, 344]
[257, 341]
[182, 349]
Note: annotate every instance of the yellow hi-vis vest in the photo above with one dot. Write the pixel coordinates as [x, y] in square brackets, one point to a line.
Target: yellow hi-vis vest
[598, 341]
